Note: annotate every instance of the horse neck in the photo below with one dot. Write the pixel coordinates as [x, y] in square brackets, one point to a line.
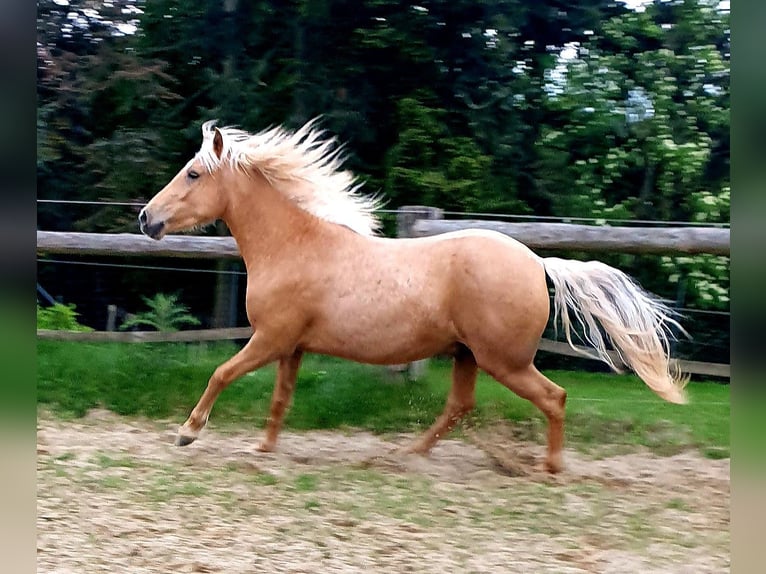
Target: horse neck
[264, 222]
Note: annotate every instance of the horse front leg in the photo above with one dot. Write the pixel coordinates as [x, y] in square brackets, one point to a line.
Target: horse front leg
[287, 373]
[255, 354]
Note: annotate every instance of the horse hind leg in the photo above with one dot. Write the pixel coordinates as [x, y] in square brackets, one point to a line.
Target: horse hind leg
[460, 401]
[531, 384]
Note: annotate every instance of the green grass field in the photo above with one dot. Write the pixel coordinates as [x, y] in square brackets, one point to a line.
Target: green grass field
[165, 380]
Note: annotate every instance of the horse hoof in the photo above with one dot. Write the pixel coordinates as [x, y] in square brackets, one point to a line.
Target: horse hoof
[184, 440]
[266, 447]
[415, 449]
[554, 466]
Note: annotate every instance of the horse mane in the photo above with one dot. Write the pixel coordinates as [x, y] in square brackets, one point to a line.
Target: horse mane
[304, 165]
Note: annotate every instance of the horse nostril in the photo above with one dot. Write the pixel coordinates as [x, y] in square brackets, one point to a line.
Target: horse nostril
[142, 217]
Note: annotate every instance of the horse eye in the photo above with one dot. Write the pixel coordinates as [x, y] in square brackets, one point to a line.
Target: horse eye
[193, 174]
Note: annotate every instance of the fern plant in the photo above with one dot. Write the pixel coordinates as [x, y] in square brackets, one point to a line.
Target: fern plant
[165, 313]
[59, 317]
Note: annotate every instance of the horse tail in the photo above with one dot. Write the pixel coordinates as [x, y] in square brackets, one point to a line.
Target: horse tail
[637, 324]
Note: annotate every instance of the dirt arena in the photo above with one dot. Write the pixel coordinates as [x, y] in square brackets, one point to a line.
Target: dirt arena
[114, 495]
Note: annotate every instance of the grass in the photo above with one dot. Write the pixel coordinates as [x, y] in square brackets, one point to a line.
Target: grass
[165, 381]
[306, 482]
[104, 461]
[171, 484]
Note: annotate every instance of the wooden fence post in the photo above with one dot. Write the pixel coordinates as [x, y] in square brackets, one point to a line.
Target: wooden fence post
[406, 217]
[111, 317]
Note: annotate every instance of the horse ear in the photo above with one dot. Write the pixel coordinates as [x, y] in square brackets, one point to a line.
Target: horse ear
[218, 143]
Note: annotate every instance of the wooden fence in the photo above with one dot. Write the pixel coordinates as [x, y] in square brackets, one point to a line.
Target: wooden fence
[416, 222]
[127, 244]
[190, 336]
[574, 237]
[412, 221]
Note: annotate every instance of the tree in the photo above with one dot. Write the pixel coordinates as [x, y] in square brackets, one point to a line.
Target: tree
[100, 113]
[644, 115]
[641, 120]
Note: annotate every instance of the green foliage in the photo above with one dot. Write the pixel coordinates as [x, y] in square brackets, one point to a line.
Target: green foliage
[645, 107]
[59, 317]
[165, 313]
[452, 104]
[708, 277]
[463, 105]
[430, 167]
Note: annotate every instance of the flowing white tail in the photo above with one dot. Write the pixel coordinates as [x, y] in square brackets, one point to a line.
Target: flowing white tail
[636, 323]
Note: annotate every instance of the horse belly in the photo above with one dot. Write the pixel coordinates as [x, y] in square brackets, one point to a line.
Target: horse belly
[383, 325]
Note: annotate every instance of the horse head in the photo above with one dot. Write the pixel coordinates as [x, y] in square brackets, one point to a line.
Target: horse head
[193, 197]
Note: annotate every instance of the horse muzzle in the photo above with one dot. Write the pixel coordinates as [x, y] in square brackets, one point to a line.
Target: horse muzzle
[150, 228]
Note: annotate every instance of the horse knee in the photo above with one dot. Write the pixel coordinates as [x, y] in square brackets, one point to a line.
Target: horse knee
[560, 396]
[220, 378]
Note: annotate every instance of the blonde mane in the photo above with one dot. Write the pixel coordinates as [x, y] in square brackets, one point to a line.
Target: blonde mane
[303, 165]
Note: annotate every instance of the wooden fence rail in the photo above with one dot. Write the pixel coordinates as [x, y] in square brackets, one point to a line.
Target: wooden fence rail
[191, 336]
[535, 235]
[695, 367]
[122, 244]
[575, 237]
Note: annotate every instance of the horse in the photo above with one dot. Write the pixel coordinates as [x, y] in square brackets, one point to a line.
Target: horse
[321, 279]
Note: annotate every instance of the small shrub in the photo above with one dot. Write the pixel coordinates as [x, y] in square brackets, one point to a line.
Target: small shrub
[59, 317]
[165, 313]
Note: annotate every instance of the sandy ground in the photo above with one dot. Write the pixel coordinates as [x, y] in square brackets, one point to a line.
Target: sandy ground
[114, 495]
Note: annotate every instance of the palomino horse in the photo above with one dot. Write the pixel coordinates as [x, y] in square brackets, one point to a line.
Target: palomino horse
[319, 280]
